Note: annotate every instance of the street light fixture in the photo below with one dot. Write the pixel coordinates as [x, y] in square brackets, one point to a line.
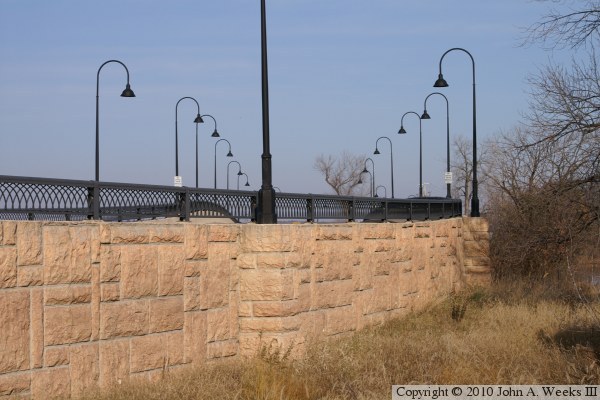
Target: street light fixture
[215, 133]
[366, 171]
[384, 191]
[441, 82]
[402, 131]
[239, 170]
[229, 154]
[373, 175]
[425, 115]
[391, 158]
[197, 120]
[126, 93]
[238, 181]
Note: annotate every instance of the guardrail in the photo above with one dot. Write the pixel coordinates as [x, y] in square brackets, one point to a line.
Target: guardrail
[27, 198]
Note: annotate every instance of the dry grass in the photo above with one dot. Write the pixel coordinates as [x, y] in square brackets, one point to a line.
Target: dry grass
[507, 335]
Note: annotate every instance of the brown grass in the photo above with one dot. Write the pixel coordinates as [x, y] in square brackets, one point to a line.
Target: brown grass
[510, 334]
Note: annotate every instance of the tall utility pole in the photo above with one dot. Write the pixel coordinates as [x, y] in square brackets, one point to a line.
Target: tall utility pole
[265, 212]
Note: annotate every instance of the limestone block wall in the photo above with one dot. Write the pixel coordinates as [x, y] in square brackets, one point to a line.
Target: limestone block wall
[94, 303]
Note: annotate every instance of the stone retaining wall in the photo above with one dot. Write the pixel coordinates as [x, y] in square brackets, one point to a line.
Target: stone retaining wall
[93, 303]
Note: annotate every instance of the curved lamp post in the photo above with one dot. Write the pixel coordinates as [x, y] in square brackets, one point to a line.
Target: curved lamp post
[441, 82]
[126, 93]
[229, 154]
[238, 180]
[401, 131]
[384, 191]
[215, 133]
[372, 175]
[366, 171]
[239, 170]
[425, 115]
[197, 121]
[391, 158]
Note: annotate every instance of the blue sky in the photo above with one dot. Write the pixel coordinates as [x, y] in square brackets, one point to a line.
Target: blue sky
[341, 74]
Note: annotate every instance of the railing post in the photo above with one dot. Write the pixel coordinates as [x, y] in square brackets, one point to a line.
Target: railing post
[93, 201]
[385, 210]
[351, 210]
[309, 210]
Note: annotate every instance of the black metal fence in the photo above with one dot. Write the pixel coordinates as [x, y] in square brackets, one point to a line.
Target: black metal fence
[25, 198]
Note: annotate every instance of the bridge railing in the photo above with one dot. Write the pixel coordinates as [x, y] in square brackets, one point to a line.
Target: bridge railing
[27, 198]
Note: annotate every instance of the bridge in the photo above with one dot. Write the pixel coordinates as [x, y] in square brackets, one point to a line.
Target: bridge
[30, 198]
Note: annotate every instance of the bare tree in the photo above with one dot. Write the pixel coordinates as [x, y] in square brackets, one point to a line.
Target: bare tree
[462, 170]
[342, 172]
[572, 29]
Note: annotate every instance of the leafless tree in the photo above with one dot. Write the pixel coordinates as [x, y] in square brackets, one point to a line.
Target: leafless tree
[462, 170]
[342, 172]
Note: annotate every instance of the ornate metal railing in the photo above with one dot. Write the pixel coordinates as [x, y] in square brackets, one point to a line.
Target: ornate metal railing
[24, 198]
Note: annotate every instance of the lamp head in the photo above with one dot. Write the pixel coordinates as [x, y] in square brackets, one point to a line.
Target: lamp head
[240, 173]
[230, 154]
[364, 171]
[215, 133]
[402, 130]
[128, 92]
[425, 115]
[359, 181]
[198, 119]
[441, 82]
[247, 184]
[376, 195]
[376, 151]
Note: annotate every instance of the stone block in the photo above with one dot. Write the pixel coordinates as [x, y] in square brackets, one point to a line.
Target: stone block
[110, 263]
[217, 325]
[110, 291]
[95, 304]
[29, 243]
[124, 318]
[65, 295]
[139, 271]
[84, 367]
[476, 248]
[270, 324]
[8, 233]
[194, 337]
[214, 291]
[280, 260]
[95, 244]
[195, 267]
[267, 238]
[174, 348]
[223, 233]
[377, 231]
[148, 352]
[222, 349]
[114, 362]
[15, 384]
[266, 284]
[280, 308]
[67, 254]
[245, 309]
[71, 324]
[14, 330]
[171, 270]
[166, 233]
[129, 233]
[30, 276]
[50, 383]
[339, 320]
[196, 241]
[334, 232]
[166, 314]
[191, 294]
[332, 294]
[55, 356]
[37, 327]
[8, 267]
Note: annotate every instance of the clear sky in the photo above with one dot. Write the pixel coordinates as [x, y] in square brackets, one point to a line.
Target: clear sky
[341, 74]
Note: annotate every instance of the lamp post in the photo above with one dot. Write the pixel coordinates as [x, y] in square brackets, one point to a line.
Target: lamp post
[229, 154]
[238, 180]
[372, 175]
[401, 131]
[384, 191]
[215, 133]
[441, 82]
[366, 171]
[391, 158]
[266, 195]
[425, 115]
[239, 170]
[197, 121]
[126, 93]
